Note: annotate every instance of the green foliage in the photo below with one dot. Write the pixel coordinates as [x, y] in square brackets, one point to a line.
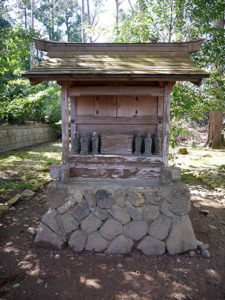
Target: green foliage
[13, 59]
[196, 102]
[193, 144]
[3, 22]
[25, 103]
[54, 14]
[176, 130]
[136, 29]
[156, 21]
[20, 101]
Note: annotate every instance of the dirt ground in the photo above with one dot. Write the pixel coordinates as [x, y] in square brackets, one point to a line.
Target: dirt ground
[30, 273]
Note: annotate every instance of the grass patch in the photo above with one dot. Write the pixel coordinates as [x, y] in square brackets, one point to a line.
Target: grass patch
[190, 177]
[23, 169]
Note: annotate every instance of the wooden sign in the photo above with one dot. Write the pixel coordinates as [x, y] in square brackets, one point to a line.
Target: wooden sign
[116, 143]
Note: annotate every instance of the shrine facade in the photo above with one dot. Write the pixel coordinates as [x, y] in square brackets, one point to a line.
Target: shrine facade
[116, 107]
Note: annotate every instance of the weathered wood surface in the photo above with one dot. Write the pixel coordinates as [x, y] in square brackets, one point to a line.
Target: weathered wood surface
[116, 90]
[73, 115]
[110, 169]
[146, 106]
[85, 106]
[145, 120]
[105, 106]
[160, 107]
[166, 121]
[125, 160]
[115, 172]
[36, 78]
[116, 106]
[116, 143]
[63, 47]
[107, 65]
[131, 128]
[65, 123]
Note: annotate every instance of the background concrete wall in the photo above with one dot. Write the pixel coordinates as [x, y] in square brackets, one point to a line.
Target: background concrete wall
[15, 137]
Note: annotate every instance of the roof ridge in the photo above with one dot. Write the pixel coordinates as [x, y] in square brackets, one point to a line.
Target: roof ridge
[52, 46]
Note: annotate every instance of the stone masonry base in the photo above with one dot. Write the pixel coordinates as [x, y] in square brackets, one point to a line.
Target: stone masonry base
[117, 216]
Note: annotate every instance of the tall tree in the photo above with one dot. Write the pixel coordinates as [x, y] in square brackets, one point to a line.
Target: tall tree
[32, 29]
[3, 13]
[118, 4]
[89, 18]
[83, 17]
[215, 135]
[70, 17]
[49, 15]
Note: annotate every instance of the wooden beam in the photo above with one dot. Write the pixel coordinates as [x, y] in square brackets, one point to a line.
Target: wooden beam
[118, 120]
[115, 90]
[37, 78]
[35, 81]
[166, 121]
[73, 116]
[65, 123]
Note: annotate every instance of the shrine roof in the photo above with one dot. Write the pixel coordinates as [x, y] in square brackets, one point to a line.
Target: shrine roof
[147, 60]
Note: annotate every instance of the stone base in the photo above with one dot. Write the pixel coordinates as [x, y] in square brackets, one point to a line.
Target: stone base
[117, 216]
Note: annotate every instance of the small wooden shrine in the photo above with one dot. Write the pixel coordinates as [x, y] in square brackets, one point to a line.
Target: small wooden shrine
[119, 104]
[114, 191]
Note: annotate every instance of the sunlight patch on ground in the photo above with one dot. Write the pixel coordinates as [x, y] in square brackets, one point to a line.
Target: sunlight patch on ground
[91, 283]
[199, 157]
[11, 250]
[23, 169]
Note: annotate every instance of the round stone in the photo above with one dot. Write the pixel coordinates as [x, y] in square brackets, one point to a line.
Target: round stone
[136, 229]
[104, 199]
[159, 229]
[96, 242]
[151, 246]
[110, 229]
[120, 244]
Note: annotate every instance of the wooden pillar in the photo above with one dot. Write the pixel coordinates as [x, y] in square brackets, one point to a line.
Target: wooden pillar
[73, 116]
[166, 121]
[65, 122]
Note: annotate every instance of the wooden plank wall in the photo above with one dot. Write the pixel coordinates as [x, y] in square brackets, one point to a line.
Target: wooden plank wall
[133, 113]
[121, 114]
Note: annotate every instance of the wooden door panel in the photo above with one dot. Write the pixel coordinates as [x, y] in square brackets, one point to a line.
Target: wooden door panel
[126, 106]
[85, 105]
[146, 106]
[105, 106]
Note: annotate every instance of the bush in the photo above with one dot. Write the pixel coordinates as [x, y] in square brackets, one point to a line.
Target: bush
[22, 102]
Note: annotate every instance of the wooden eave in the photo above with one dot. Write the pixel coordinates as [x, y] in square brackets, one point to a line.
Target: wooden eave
[77, 61]
[50, 46]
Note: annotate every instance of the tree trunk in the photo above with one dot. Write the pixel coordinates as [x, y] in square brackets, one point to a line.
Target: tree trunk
[215, 136]
[83, 21]
[89, 18]
[25, 17]
[131, 6]
[32, 44]
[117, 12]
[67, 28]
